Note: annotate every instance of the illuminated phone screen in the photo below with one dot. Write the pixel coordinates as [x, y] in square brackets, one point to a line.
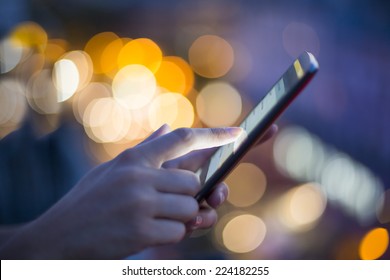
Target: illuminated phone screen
[257, 122]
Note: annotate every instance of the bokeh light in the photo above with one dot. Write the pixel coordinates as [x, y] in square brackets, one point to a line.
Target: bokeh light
[171, 77]
[12, 103]
[10, 55]
[96, 46]
[299, 37]
[134, 86]
[141, 51]
[84, 66]
[352, 185]
[66, 79]
[55, 48]
[173, 109]
[211, 56]
[247, 184]
[32, 64]
[374, 244]
[224, 218]
[119, 103]
[301, 207]
[84, 97]
[186, 70]
[209, 100]
[106, 120]
[109, 57]
[30, 34]
[301, 156]
[298, 154]
[42, 94]
[244, 233]
[140, 125]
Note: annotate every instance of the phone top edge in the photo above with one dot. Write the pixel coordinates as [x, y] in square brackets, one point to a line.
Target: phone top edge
[313, 63]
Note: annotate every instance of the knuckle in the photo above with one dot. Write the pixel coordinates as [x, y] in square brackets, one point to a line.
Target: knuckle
[218, 132]
[132, 156]
[126, 156]
[193, 183]
[134, 173]
[147, 196]
[185, 134]
[143, 198]
[189, 181]
[144, 234]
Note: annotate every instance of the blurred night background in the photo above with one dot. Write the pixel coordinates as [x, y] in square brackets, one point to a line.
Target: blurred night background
[82, 80]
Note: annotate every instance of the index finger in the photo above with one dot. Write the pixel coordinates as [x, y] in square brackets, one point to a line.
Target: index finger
[194, 160]
[184, 140]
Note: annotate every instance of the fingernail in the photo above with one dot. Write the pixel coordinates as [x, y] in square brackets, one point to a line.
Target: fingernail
[198, 221]
[221, 197]
[195, 223]
[235, 131]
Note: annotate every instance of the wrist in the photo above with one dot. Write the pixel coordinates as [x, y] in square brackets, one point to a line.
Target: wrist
[30, 242]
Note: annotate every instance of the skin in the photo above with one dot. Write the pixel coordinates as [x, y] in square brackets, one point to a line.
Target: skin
[142, 198]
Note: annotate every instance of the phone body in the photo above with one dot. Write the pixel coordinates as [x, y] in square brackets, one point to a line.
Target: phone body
[256, 123]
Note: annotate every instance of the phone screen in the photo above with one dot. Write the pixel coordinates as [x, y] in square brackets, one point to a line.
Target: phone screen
[257, 122]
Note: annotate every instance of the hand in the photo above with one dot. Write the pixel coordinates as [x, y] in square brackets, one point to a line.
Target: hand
[207, 216]
[122, 206]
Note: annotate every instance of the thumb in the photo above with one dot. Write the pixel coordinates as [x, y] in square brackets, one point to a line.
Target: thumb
[184, 140]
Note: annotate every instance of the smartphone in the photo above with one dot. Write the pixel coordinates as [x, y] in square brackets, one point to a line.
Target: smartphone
[257, 122]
